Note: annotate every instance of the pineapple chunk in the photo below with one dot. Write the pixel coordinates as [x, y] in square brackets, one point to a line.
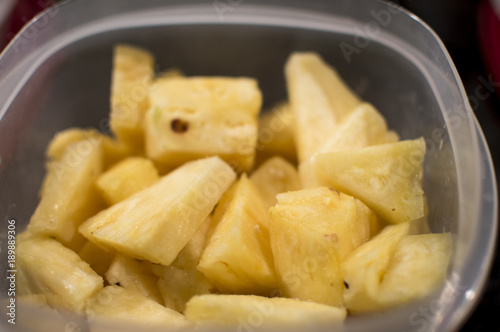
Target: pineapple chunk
[195, 117]
[115, 150]
[276, 134]
[133, 72]
[419, 265]
[114, 306]
[59, 143]
[319, 98]
[250, 311]
[69, 196]
[364, 127]
[134, 275]
[273, 177]
[98, 258]
[237, 257]
[126, 178]
[181, 280]
[366, 266]
[312, 231]
[385, 177]
[50, 268]
[156, 223]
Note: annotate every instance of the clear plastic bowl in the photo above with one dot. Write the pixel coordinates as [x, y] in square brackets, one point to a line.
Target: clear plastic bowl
[56, 74]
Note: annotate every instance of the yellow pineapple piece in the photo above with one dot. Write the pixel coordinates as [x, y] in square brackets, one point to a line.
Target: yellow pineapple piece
[115, 151]
[385, 177]
[126, 178]
[134, 275]
[59, 273]
[276, 134]
[364, 127]
[69, 195]
[237, 257]
[273, 177]
[190, 118]
[312, 231]
[60, 141]
[419, 265]
[157, 222]
[133, 73]
[170, 73]
[319, 98]
[181, 280]
[116, 308]
[249, 311]
[98, 258]
[365, 267]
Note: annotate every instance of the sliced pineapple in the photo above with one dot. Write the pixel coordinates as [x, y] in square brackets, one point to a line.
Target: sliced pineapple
[237, 257]
[419, 265]
[364, 127]
[385, 177]
[181, 280]
[273, 177]
[116, 308]
[126, 178]
[156, 223]
[115, 150]
[276, 134]
[58, 144]
[59, 273]
[248, 311]
[312, 231]
[98, 258]
[365, 267]
[190, 118]
[69, 195]
[133, 72]
[319, 98]
[134, 275]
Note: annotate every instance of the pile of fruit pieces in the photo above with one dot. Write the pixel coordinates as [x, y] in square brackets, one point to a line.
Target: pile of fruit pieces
[232, 232]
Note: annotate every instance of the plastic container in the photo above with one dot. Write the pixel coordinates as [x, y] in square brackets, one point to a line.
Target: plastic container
[56, 74]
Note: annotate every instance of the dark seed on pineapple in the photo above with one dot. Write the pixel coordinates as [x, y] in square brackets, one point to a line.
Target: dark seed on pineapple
[179, 126]
[346, 285]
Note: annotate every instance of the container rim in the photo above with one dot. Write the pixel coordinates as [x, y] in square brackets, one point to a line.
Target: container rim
[486, 210]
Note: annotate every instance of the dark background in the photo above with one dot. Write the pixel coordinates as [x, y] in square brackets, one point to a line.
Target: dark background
[456, 22]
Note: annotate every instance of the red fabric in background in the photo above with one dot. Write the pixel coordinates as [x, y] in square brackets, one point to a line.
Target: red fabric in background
[489, 40]
[23, 12]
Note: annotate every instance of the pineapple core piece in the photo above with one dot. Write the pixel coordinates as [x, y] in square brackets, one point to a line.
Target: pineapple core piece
[115, 305]
[273, 177]
[387, 177]
[126, 178]
[133, 72]
[156, 223]
[245, 311]
[237, 257]
[190, 118]
[69, 196]
[181, 280]
[312, 231]
[319, 98]
[50, 268]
